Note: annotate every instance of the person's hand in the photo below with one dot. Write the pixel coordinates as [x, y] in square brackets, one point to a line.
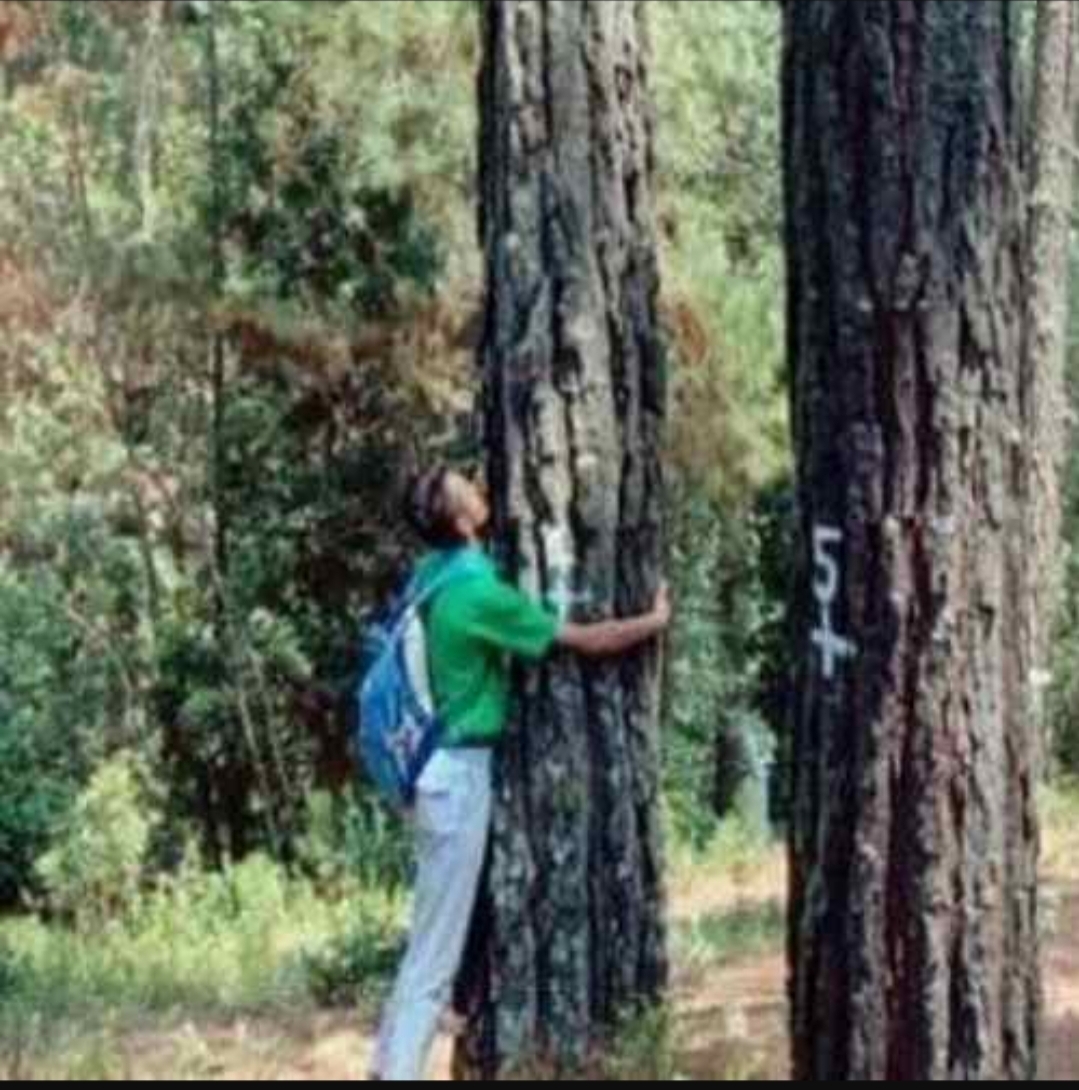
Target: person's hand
[663, 611]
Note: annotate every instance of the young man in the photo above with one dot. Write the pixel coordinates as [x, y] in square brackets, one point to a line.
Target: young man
[474, 628]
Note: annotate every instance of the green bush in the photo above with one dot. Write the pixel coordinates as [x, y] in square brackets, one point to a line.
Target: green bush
[728, 937]
[1061, 693]
[645, 1048]
[354, 967]
[723, 731]
[238, 939]
[50, 705]
[95, 868]
[9, 971]
[354, 844]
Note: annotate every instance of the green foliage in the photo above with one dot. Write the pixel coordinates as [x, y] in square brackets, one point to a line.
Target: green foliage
[320, 217]
[722, 732]
[9, 972]
[354, 968]
[208, 941]
[355, 843]
[48, 678]
[1059, 692]
[715, 76]
[644, 1049]
[94, 870]
[344, 165]
[1061, 696]
[720, 939]
[183, 579]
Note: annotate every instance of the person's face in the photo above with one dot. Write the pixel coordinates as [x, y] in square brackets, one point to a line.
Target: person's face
[468, 505]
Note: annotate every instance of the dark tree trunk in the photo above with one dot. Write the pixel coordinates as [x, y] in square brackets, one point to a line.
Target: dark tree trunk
[571, 934]
[217, 340]
[913, 930]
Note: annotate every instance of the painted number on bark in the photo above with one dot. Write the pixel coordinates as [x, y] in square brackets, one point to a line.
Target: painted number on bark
[833, 648]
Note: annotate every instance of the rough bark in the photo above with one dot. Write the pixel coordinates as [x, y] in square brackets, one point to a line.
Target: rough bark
[570, 937]
[1052, 180]
[913, 931]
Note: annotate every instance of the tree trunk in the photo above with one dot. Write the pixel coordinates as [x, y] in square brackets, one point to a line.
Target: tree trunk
[913, 933]
[148, 80]
[217, 340]
[1048, 266]
[570, 937]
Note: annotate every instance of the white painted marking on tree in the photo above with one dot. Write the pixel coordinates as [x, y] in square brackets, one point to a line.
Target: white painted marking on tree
[834, 648]
[560, 565]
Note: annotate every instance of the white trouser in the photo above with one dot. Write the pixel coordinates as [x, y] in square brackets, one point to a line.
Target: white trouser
[453, 820]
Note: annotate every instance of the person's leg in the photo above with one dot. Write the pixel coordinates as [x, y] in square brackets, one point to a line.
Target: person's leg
[382, 1045]
[453, 814]
[380, 1060]
[386, 1021]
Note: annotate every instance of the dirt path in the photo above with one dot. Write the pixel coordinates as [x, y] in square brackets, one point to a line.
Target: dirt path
[1060, 1057]
[735, 1022]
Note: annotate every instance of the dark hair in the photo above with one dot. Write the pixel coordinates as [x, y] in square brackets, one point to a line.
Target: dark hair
[427, 509]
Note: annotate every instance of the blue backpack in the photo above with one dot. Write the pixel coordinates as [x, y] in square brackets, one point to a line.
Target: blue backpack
[399, 729]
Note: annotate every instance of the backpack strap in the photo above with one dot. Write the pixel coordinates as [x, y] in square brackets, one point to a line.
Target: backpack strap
[417, 597]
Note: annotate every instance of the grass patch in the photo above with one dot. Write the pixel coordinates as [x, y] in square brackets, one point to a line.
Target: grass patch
[646, 1050]
[1060, 829]
[355, 968]
[728, 937]
[249, 941]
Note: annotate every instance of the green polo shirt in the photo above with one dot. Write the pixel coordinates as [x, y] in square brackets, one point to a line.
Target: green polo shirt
[475, 627]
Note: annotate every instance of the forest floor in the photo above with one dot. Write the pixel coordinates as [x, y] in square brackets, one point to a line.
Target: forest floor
[729, 1006]
[730, 1025]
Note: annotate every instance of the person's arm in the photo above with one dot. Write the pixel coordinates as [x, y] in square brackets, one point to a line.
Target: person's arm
[611, 638]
